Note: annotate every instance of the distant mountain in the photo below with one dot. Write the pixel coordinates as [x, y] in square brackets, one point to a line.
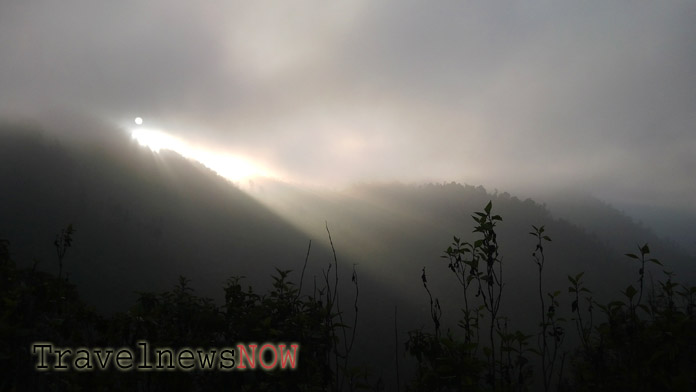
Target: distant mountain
[667, 231]
[143, 218]
[669, 223]
[396, 229]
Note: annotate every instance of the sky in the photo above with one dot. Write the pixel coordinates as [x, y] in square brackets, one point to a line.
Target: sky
[518, 96]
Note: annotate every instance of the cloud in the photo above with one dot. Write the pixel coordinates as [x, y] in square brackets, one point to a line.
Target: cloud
[517, 96]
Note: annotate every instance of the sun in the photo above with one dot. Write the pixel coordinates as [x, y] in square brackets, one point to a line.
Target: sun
[138, 121]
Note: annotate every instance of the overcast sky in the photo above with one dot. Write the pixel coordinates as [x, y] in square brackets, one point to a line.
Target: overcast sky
[515, 95]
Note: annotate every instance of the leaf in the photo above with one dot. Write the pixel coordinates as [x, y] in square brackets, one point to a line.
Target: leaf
[489, 206]
[630, 292]
[617, 304]
[631, 255]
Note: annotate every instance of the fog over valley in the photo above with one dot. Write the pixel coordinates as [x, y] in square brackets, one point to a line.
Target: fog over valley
[450, 196]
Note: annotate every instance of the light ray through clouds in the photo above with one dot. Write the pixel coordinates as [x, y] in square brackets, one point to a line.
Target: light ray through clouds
[525, 97]
[234, 168]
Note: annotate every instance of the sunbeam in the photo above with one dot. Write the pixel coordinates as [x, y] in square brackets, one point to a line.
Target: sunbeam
[232, 167]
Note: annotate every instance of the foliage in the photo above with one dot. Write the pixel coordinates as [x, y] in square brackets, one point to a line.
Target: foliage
[642, 342]
[640, 347]
[446, 363]
[40, 307]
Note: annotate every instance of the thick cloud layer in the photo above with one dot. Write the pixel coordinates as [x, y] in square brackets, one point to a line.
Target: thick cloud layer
[517, 96]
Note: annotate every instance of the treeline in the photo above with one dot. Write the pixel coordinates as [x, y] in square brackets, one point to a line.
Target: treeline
[645, 340]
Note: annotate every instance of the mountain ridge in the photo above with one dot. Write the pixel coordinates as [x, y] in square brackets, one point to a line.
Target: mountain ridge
[169, 200]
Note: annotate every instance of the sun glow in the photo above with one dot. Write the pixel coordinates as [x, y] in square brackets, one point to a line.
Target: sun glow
[232, 167]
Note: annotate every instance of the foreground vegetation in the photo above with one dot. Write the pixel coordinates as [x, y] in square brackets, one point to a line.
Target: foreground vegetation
[645, 340]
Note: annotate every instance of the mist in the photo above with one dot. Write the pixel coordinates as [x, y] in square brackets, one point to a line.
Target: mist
[250, 154]
[523, 98]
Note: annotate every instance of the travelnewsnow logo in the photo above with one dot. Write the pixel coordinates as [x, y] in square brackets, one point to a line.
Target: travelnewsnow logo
[267, 356]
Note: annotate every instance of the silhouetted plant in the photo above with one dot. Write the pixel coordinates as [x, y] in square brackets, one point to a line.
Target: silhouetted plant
[464, 265]
[444, 363]
[62, 242]
[628, 352]
[583, 327]
[646, 340]
[343, 372]
[487, 250]
[175, 319]
[551, 325]
[644, 251]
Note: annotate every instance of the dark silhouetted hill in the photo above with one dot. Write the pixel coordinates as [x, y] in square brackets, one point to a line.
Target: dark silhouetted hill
[144, 218]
